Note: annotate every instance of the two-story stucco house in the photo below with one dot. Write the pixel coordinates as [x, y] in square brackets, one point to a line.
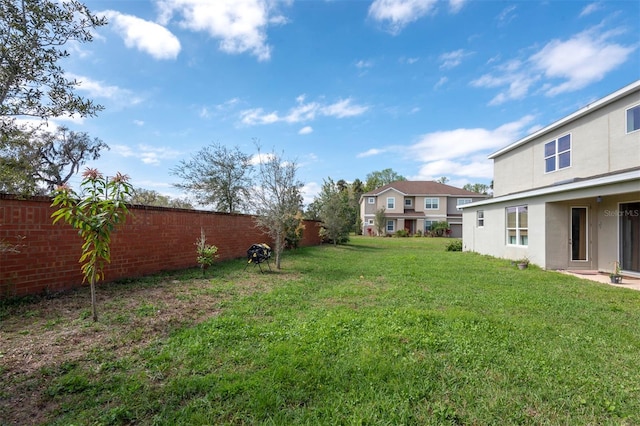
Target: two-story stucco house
[568, 195]
[415, 205]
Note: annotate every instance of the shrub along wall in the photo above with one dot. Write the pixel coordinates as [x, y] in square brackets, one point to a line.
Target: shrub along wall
[152, 240]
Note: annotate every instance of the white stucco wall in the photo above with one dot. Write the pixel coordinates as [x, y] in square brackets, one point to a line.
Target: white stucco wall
[549, 222]
[599, 145]
[492, 240]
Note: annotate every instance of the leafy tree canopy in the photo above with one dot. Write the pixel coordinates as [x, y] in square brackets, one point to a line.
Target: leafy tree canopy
[148, 197]
[380, 178]
[33, 35]
[33, 159]
[219, 176]
[336, 211]
[480, 188]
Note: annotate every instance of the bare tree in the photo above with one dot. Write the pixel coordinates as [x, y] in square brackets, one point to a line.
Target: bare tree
[219, 176]
[277, 198]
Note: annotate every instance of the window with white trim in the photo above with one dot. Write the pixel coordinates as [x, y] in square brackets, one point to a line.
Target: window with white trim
[557, 154]
[370, 222]
[517, 226]
[390, 226]
[391, 203]
[633, 119]
[462, 202]
[408, 202]
[428, 224]
[480, 218]
[431, 203]
[372, 200]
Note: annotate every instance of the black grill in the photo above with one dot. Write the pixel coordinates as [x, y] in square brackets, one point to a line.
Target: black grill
[258, 254]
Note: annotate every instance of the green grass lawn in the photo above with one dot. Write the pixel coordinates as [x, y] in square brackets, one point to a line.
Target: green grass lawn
[380, 331]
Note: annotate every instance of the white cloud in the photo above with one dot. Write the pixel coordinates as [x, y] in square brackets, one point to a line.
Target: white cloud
[207, 112]
[507, 15]
[364, 64]
[400, 13]
[143, 35]
[204, 112]
[303, 112]
[138, 123]
[371, 152]
[145, 153]
[456, 5]
[344, 108]
[97, 89]
[240, 25]
[581, 60]
[309, 191]
[561, 66]
[397, 14]
[409, 61]
[228, 104]
[441, 82]
[261, 158]
[452, 59]
[462, 152]
[305, 130]
[255, 116]
[472, 169]
[590, 8]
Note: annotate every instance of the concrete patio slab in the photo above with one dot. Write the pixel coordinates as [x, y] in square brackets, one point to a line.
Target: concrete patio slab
[632, 283]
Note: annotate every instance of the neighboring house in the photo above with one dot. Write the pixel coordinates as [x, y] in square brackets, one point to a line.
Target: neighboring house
[414, 206]
[568, 195]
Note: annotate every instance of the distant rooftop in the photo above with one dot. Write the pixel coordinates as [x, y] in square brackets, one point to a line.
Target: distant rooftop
[423, 187]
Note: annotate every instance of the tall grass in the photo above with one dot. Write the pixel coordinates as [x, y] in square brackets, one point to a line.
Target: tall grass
[380, 331]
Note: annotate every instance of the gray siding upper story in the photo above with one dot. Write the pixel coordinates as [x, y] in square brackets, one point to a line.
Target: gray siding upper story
[599, 145]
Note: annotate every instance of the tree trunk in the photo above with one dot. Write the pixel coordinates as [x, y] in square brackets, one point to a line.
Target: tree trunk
[93, 295]
[278, 249]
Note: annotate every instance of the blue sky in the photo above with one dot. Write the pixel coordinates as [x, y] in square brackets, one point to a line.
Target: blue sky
[344, 88]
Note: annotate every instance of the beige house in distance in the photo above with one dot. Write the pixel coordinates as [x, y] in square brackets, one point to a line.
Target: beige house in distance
[567, 196]
[414, 206]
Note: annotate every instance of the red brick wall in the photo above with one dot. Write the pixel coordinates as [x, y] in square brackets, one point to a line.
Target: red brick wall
[153, 239]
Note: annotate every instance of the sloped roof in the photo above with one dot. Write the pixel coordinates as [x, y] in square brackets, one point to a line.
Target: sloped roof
[423, 187]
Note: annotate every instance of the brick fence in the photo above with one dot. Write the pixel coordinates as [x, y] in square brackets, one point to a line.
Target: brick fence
[152, 240]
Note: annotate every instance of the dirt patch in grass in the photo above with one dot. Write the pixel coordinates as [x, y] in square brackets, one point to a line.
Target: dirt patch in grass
[38, 337]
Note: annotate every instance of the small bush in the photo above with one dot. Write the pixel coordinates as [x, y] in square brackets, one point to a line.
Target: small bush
[455, 245]
[418, 233]
[402, 233]
[440, 229]
[207, 253]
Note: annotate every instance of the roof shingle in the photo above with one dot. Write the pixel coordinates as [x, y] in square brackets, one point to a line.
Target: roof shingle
[424, 187]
